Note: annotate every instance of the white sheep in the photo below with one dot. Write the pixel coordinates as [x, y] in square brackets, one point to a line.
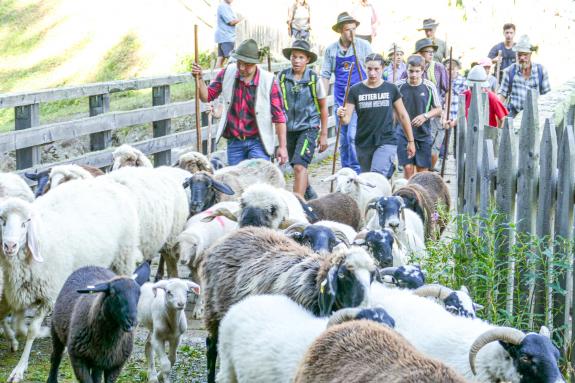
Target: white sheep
[469, 345]
[126, 155]
[255, 170]
[161, 309]
[12, 185]
[194, 162]
[81, 223]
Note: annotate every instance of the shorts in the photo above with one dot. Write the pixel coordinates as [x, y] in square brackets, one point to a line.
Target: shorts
[438, 134]
[379, 159]
[224, 49]
[301, 146]
[422, 156]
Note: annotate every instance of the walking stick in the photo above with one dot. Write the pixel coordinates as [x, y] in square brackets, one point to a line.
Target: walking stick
[448, 110]
[357, 66]
[498, 67]
[210, 116]
[197, 103]
[339, 127]
[393, 63]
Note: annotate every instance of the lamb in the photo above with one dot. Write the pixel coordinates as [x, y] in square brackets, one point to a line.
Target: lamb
[336, 207]
[126, 155]
[194, 162]
[263, 337]
[46, 241]
[470, 345]
[321, 236]
[439, 195]
[94, 318]
[12, 185]
[161, 311]
[260, 260]
[230, 182]
[416, 198]
[364, 351]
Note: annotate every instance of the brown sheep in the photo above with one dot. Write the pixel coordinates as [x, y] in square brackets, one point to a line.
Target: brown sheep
[438, 192]
[418, 199]
[336, 207]
[363, 351]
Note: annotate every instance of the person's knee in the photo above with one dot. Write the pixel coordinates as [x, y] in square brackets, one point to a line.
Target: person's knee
[299, 169]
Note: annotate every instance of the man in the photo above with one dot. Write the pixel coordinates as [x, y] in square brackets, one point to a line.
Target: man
[305, 103]
[497, 110]
[395, 58]
[422, 104]
[375, 102]
[522, 75]
[252, 105]
[507, 56]
[337, 60]
[430, 27]
[225, 31]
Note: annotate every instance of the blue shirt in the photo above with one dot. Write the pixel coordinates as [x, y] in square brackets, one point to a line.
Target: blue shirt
[225, 33]
[328, 67]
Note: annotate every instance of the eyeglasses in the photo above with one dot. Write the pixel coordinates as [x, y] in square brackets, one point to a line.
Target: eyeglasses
[427, 51]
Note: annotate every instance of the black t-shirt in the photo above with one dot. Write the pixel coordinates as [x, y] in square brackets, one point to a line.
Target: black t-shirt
[507, 55]
[374, 107]
[418, 100]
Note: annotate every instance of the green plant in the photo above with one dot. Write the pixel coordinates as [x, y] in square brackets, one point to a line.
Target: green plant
[206, 60]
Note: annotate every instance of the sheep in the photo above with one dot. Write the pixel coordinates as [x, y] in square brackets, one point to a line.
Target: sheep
[230, 182]
[162, 205]
[456, 302]
[263, 337]
[217, 163]
[384, 247]
[161, 311]
[406, 276]
[363, 351]
[57, 175]
[416, 198]
[46, 241]
[260, 260]
[12, 185]
[470, 345]
[398, 183]
[405, 223]
[126, 155]
[321, 236]
[94, 318]
[194, 162]
[362, 188]
[439, 195]
[336, 207]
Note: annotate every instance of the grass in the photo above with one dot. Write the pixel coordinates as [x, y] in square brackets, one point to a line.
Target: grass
[12, 17]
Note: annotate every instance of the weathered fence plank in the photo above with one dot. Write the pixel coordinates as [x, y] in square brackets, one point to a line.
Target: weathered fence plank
[487, 182]
[161, 96]
[460, 149]
[474, 138]
[100, 104]
[26, 117]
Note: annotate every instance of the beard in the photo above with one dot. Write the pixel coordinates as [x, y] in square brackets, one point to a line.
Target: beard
[524, 66]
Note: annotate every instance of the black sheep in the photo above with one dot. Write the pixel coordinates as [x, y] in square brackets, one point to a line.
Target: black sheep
[93, 317]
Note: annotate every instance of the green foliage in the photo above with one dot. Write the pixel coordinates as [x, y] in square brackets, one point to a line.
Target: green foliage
[12, 17]
[206, 59]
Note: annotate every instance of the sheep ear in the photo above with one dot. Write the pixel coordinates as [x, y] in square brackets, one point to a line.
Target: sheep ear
[327, 292]
[186, 183]
[142, 273]
[477, 306]
[176, 164]
[32, 176]
[330, 178]
[296, 236]
[222, 187]
[99, 288]
[371, 205]
[159, 285]
[194, 287]
[32, 241]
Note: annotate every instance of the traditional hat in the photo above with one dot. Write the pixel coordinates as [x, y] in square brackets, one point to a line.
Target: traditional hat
[300, 45]
[523, 45]
[446, 61]
[428, 24]
[478, 74]
[343, 18]
[247, 52]
[424, 43]
[396, 48]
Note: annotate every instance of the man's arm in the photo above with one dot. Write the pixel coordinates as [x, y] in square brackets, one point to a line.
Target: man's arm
[504, 87]
[279, 121]
[345, 112]
[323, 115]
[281, 153]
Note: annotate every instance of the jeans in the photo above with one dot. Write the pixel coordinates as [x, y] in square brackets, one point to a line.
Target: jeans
[347, 143]
[239, 150]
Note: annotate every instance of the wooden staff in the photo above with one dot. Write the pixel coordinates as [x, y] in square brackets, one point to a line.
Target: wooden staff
[393, 64]
[497, 67]
[357, 66]
[210, 115]
[448, 110]
[197, 103]
[339, 127]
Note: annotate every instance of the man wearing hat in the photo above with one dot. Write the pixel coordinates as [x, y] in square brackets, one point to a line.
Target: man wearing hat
[252, 105]
[395, 56]
[521, 76]
[497, 111]
[304, 99]
[430, 26]
[338, 58]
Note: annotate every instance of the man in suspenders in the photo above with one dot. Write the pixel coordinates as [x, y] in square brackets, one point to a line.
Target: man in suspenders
[304, 99]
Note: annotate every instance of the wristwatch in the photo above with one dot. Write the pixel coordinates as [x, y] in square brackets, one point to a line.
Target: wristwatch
[426, 116]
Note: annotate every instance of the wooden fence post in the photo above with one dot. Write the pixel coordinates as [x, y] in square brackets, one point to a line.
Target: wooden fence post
[474, 152]
[506, 187]
[161, 96]
[487, 187]
[461, 155]
[27, 116]
[544, 224]
[100, 104]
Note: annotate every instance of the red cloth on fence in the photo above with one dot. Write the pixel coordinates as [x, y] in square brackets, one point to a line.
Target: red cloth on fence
[496, 108]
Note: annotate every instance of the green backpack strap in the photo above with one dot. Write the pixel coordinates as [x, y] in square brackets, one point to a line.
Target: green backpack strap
[283, 88]
[312, 85]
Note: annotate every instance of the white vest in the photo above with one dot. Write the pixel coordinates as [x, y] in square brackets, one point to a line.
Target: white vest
[262, 105]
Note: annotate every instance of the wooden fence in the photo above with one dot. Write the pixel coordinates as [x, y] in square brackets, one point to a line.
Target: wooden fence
[29, 135]
[529, 177]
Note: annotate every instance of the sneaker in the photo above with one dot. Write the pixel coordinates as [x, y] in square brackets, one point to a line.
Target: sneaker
[310, 193]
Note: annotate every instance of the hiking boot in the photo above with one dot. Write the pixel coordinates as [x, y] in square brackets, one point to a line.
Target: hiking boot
[310, 193]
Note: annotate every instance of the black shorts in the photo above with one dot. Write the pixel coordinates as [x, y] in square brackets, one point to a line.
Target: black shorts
[422, 156]
[301, 146]
[224, 49]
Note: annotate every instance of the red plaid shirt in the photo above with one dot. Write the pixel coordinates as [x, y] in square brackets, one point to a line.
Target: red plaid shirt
[241, 119]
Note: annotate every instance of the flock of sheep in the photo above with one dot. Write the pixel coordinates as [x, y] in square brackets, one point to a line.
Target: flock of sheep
[327, 290]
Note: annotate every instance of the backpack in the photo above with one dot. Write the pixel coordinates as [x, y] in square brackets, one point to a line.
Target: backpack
[513, 71]
[311, 84]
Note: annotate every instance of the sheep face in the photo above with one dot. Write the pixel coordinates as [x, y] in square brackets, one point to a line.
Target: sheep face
[408, 277]
[258, 207]
[203, 191]
[376, 314]
[176, 292]
[216, 163]
[460, 303]
[380, 245]
[389, 211]
[321, 239]
[14, 222]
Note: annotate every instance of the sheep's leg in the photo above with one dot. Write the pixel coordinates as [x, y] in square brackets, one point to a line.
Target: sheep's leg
[170, 256]
[110, 376]
[97, 375]
[55, 358]
[198, 312]
[81, 370]
[160, 271]
[10, 334]
[160, 350]
[174, 343]
[212, 355]
[17, 373]
[149, 352]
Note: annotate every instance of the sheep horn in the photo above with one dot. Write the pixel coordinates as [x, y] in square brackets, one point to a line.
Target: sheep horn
[297, 227]
[360, 237]
[434, 290]
[544, 331]
[343, 315]
[341, 236]
[506, 334]
[287, 222]
[388, 271]
[221, 212]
